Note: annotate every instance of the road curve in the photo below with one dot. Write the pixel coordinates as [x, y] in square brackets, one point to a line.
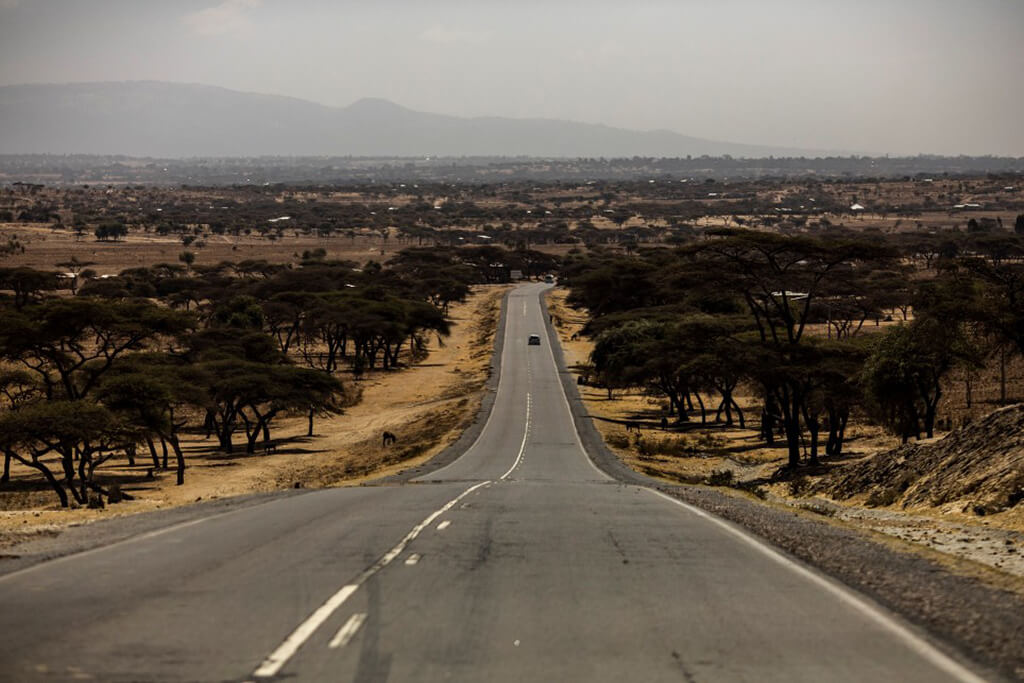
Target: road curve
[519, 561]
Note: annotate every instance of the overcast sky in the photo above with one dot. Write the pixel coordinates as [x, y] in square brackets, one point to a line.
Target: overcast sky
[877, 76]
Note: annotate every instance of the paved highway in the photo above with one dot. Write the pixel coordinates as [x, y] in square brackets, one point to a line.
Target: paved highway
[520, 561]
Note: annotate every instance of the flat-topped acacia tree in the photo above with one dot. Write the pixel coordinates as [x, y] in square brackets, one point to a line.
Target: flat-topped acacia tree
[70, 343]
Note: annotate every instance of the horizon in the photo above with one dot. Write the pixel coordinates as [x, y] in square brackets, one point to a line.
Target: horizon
[874, 78]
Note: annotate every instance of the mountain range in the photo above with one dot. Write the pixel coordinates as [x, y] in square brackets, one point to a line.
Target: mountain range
[173, 120]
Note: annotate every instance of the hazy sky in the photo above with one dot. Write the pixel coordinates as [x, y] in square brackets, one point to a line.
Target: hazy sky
[896, 76]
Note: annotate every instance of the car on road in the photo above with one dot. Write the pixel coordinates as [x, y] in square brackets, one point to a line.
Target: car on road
[533, 340]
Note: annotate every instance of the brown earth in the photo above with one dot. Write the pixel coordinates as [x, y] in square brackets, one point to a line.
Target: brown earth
[426, 406]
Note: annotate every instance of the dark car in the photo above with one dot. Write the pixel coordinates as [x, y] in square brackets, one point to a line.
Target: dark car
[534, 340]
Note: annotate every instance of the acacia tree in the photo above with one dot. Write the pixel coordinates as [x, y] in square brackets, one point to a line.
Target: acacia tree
[19, 388]
[152, 392]
[70, 343]
[780, 279]
[76, 432]
[620, 359]
[27, 284]
[241, 392]
[904, 373]
[77, 269]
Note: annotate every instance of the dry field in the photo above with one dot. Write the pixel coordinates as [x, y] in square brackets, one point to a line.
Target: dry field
[731, 456]
[426, 406]
[46, 247]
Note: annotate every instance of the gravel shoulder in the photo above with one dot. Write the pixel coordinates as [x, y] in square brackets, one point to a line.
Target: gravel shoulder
[971, 611]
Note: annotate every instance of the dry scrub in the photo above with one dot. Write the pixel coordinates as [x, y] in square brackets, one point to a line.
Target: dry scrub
[426, 406]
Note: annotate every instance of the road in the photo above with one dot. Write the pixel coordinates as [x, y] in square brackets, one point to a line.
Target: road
[520, 561]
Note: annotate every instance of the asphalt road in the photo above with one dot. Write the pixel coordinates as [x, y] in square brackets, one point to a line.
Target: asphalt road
[520, 561]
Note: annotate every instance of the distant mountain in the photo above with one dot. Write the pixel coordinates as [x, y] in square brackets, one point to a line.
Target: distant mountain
[155, 119]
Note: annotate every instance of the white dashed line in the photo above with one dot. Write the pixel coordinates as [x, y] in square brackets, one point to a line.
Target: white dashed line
[412, 559]
[286, 650]
[346, 632]
[443, 525]
[522, 446]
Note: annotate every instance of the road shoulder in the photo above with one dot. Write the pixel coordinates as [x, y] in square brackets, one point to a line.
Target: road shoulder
[954, 604]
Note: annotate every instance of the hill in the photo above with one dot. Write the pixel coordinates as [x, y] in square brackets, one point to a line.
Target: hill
[977, 468]
[156, 119]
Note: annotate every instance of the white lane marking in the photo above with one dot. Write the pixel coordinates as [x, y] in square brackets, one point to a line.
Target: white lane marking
[133, 539]
[507, 342]
[524, 307]
[280, 656]
[412, 559]
[565, 397]
[443, 525]
[346, 632]
[917, 644]
[522, 446]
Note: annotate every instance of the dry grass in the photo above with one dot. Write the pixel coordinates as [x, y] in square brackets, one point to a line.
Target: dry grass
[45, 247]
[426, 406]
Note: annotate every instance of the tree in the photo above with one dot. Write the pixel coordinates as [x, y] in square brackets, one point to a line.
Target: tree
[151, 392]
[27, 284]
[254, 394]
[18, 387]
[110, 231]
[76, 431]
[70, 343]
[904, 372]
[780, 279]
[77, 269]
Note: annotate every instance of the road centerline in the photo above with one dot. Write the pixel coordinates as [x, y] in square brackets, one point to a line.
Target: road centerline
[297, 638]
[522, 446]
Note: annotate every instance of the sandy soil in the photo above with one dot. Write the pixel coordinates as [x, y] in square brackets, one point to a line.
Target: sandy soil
[426, 406]
[996, 541]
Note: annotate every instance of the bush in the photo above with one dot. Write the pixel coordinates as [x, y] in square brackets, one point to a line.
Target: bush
[798, 486]
[618, 440]
[721, 478]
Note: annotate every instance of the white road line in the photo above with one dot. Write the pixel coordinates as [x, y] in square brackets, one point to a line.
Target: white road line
[346, 632]
[443, 525]
[131, 539]
[506, 303]
[279, 657]
[522, 446]
[913, 641]
[565, 398]
[412, 559]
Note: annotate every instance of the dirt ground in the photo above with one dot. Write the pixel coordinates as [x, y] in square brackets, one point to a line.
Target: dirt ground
[426, 406]
[45, 247]
[738, 459]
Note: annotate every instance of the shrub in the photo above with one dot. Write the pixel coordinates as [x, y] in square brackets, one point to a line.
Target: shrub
[721, 478]
[618, 440]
